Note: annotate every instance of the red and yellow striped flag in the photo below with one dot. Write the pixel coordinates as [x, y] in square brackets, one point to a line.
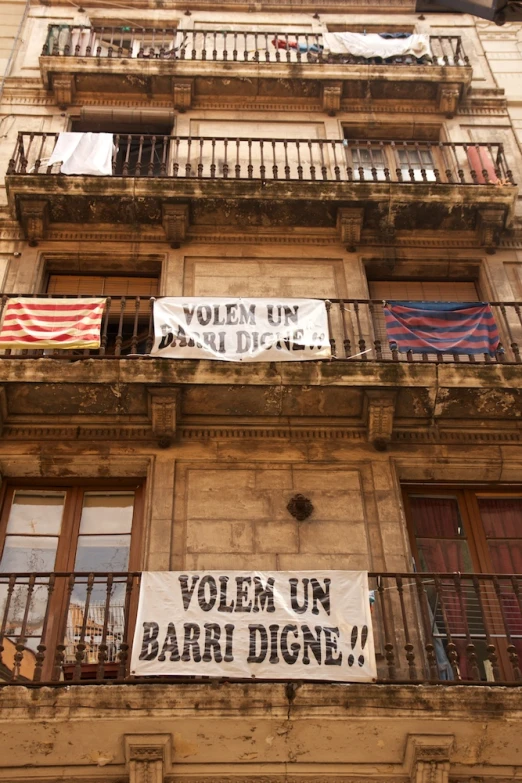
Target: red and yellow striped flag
[51, 322]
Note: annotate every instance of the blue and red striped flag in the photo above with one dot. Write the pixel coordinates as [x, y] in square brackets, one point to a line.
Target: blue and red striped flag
[441, 327]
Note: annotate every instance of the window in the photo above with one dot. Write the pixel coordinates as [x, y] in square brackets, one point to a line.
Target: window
[416, 163]
[464, 531]
[127, 327]
[90, 529]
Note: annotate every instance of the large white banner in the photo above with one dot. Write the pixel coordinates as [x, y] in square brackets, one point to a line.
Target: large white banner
[241, 330]
[312, 625]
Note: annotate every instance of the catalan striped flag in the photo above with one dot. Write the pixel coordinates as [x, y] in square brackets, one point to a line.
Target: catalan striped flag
[441, 327]
[51, 323]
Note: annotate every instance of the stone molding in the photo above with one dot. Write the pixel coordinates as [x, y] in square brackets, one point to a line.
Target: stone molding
[147, 757]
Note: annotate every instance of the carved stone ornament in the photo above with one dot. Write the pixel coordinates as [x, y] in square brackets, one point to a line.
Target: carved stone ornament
[449, 95]
[183, 91]
[164, 408]
[490, 228]
[34, 217]
[147, 757]
[428, 757]
[300, 507]
[380, 413]
[349, 226]
[175, 222]
[332, 92]
[64, 88]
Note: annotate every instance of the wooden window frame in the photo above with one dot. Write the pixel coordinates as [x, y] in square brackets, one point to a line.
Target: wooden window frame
[467, 500]
[75, 490]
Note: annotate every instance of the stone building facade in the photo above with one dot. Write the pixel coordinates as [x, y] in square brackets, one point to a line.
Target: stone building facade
[250, 162]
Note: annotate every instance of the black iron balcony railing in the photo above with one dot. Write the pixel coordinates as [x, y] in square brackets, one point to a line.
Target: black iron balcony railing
[429, 628]
[298, 160]
[356, 326]
[225, 45]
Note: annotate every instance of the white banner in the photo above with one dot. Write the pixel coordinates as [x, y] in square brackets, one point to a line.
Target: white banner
[313, 625]
[241, 330]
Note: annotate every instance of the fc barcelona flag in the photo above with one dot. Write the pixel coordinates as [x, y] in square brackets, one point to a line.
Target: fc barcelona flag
[441, 327]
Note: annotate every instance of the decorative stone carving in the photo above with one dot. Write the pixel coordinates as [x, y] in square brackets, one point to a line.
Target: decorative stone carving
[428, 757]
[449, 95]
[34, 217]
[349, 226]
[332, 92]
[164, 407]
[175, 222]
[183, 91]
[380, 413]
[491, 224]
[147, 757]
[64, 88]
[300, 507]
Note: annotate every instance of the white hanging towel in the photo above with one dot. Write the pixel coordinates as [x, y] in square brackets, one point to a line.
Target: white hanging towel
[373, 45]
[83, 153]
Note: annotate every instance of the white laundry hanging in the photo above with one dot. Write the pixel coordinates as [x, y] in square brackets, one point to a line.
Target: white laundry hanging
[84, 153]
[373, 45]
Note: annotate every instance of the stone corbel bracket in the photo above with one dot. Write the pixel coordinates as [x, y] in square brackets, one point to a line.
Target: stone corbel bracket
[349, 226]
[164, 413]
[449, 95]
[147, 757]
[3, 412]
[491, 225]
[183, 91]
[175, 218]
[428, 757]
[34, 217]
[332, 93]
[64, 89]
[380, 411]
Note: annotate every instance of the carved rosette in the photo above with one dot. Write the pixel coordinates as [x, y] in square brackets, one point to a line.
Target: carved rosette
[175, 222]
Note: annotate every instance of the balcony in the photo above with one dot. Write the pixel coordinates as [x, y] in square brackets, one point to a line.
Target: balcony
[442, 629]
[365, 190]
[200, 67]
[356, 326]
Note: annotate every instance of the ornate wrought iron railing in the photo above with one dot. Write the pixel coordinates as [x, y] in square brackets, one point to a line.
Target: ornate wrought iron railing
[429, 628]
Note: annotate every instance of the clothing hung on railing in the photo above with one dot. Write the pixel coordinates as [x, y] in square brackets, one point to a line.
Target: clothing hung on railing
[83, 153]
[373, 45]
[441, 327]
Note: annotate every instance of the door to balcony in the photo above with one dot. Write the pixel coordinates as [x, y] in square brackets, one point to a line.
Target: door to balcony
[477, 627]
[49, 530]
